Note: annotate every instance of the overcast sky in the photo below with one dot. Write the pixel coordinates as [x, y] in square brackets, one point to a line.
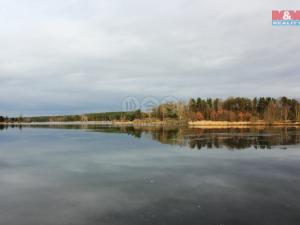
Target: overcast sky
[77, 56]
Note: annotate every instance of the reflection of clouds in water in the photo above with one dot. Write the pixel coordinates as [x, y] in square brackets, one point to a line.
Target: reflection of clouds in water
[70, 201]
[21, 180]
[211, 179]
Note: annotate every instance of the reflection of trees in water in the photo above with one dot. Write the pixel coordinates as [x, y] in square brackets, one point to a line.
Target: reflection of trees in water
[196, 138]
[265, 138]
[167, 136]
[5, 126]
[219, 142]
[232, 138]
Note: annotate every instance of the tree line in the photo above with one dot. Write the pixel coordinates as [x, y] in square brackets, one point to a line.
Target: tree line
[10, 120]
[231, 109]
[102, 116]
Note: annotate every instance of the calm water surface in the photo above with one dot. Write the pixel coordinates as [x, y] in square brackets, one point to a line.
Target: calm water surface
[83, 175]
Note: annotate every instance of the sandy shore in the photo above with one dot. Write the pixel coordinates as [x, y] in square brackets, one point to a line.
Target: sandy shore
[225, 124]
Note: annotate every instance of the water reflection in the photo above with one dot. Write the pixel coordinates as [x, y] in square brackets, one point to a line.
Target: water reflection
[100, 175]
[197, 138]
[258, 138]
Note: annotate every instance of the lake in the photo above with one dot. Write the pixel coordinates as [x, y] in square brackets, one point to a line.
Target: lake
[83, 175]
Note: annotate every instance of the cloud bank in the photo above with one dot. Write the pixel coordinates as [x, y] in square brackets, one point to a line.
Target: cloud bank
[81, 56]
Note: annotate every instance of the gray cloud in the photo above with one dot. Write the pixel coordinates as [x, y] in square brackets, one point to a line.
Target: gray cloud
[83, 56]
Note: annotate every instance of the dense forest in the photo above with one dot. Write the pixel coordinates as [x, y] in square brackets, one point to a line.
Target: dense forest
[245, 109]
[231, 109]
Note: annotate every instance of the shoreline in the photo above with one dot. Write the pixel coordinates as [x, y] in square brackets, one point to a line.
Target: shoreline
[190, 124]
